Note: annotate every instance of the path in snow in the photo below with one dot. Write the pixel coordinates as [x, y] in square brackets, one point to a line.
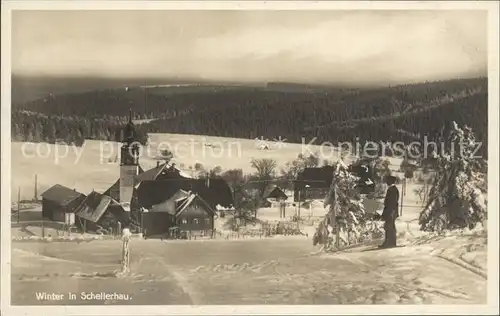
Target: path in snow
[251, 272]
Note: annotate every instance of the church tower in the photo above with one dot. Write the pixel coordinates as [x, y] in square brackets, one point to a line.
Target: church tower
[129, 163]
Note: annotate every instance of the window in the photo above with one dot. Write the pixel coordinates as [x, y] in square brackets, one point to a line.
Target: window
[184, 221]
[196, 221]
[207, 221]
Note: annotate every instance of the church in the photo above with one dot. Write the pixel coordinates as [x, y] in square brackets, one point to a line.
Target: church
[161, 201]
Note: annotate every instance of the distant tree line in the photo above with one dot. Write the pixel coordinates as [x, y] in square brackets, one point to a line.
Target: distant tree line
[290, 122]
[35, 127]
[402, 113]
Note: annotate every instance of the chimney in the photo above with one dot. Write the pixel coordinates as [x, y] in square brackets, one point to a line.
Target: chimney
[157, 164]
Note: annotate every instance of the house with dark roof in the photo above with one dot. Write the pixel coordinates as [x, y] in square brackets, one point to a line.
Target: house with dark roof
[272, 191]
[194, 215]
[313, 183]
[161, 171]
[137, 190]
[213, 191]
[159, 219]
[59, 203]
[320, 177]
[184, 213]
[99, 211]
[260, 192]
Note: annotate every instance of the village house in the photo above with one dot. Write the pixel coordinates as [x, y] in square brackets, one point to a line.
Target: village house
[156, 201]
[272, 191]
[137, 191]
[159, 198]
[312, 183]
[161, 171]
[59, 204]
[213, 191]
[183, 214]
[195, 216]
[99, 213]
[258, 191]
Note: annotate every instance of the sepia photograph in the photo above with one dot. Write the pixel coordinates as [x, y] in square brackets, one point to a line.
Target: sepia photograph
[249, 154]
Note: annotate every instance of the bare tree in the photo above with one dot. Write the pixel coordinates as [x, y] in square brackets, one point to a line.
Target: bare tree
[293, 168]
[234, 177]
[215, 172]
[266, 168]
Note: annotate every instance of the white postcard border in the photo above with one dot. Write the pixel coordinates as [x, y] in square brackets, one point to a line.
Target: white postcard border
[493, 178]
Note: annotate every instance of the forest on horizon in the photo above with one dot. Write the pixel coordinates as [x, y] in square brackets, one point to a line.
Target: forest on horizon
[400, 113]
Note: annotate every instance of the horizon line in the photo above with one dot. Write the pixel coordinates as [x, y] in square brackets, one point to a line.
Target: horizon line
[196, 80]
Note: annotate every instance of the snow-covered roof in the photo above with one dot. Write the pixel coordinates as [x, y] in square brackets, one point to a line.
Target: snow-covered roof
[95, 205]
[185, 174]
[222, 208]
[181, 195]
[189, 200]
[181, 172]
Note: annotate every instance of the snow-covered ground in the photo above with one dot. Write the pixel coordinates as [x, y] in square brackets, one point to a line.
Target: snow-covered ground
[431, 269]
[268, 271]
[449, 269]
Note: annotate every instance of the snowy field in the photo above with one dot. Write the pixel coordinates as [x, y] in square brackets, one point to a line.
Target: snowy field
[272, 271]
[449, 269]
[89, 167]
[281, 270]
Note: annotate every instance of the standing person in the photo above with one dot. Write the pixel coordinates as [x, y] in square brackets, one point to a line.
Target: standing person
[390, 212]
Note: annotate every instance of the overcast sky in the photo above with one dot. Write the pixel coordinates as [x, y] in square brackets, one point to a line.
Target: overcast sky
[320, 46]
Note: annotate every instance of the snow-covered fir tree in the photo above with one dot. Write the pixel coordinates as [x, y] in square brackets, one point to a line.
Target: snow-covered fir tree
[344, 201]
[458, 197]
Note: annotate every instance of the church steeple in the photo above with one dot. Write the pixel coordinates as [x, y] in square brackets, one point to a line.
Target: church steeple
[130, 146]
[129, 162]
[129, 133]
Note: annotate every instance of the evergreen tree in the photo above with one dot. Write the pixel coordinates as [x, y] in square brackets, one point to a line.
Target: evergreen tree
[37, 132]
[49, 130]
[346, 212]
[458, 197]
[29, 137]
[16, 132]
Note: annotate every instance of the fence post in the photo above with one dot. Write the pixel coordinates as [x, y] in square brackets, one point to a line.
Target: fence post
[126, 235]
[43, 227]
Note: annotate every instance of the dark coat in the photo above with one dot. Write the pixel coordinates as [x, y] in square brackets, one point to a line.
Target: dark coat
[391, 203]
